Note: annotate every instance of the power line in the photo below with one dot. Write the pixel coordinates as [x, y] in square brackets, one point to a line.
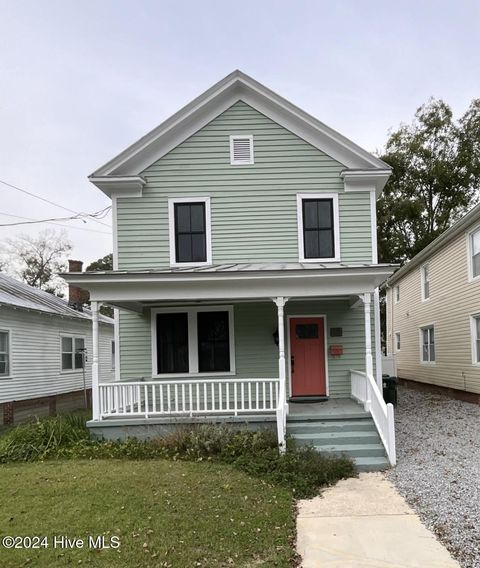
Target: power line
[29, 220]
[47, 201]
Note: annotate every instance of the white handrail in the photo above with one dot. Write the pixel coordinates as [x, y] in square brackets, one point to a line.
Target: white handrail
[365, 390]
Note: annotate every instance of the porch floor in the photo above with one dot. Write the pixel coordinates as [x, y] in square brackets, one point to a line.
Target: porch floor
[338, 408]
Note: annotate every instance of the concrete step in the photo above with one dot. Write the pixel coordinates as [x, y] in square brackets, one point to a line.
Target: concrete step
[316, 438]
[362, 425]
[371, 463]
[354, 450]
[351, 415]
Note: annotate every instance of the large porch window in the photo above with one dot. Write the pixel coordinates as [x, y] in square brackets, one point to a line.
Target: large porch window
[196, 341]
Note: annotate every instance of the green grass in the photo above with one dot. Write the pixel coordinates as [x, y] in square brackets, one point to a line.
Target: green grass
[166, 514]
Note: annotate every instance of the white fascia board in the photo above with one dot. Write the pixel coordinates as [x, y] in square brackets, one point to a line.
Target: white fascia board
[119, 186]
[236, 86]
[365, 180]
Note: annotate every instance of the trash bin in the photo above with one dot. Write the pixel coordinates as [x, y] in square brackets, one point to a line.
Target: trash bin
[390, 389]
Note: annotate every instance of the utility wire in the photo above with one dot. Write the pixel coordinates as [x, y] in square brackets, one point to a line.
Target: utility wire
[29, 220]
[47, 201]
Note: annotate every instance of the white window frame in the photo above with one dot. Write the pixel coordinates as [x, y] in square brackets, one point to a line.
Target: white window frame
[336, 226]
[8, 331]
[424, 281]
[474, 339]
[470, 234]
[421, 330]
[398, 342]
[192, 312]
[252, 155]
[73, 337]
[396, 291]
[208, 230]
[113, 354]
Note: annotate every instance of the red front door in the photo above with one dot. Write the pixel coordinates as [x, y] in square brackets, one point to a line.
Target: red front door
[307, 353]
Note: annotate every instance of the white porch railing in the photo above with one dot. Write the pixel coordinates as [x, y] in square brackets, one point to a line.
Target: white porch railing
[365, 390]
[193, 397]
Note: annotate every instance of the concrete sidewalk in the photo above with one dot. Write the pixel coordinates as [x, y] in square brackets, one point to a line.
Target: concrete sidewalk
[364, 523]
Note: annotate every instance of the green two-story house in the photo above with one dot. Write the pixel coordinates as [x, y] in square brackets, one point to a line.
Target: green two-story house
[245, 281]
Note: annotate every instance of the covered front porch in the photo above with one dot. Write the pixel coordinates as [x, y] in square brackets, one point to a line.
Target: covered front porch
[316, 343]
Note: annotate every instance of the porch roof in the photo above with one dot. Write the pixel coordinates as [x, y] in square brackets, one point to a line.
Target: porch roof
[138, 289]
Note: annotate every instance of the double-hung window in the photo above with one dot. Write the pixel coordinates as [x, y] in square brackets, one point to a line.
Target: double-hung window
[397, 341]
[4, 353]
[425, 278]
[190, 232]
[475, 254]
[397, 294]
[476, 339]
[427, 338]
[73, 352]
[193, 340]
[318, 227]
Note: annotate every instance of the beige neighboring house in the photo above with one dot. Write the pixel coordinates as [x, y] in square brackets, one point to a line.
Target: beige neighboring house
[433, 312]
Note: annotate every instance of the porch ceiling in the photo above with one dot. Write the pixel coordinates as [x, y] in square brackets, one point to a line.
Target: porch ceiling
[136, 290]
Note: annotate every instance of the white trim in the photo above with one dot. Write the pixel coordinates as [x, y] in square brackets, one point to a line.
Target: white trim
[471, 277]
[373, 226]
[397, 340]
[120, 186]
[73, 337]
[192, 340]
[116, 335]
[423, 281]
[473, 338]
[289, 349]
[251, 160]
[8, 331]
[171, 230]
[114, 233]
[378, 337]
[336, 226]
[420, 336]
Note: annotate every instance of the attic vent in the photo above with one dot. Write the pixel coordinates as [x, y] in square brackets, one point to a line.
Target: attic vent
[241, 150]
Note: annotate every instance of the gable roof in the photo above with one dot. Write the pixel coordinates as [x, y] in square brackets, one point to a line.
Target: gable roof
[462, 225]
[20, 295]
[203, 109]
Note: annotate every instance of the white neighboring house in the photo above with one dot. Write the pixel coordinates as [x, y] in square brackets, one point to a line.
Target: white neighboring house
[41, 338]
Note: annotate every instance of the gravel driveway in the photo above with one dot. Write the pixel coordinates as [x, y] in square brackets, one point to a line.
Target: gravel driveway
[438, 471]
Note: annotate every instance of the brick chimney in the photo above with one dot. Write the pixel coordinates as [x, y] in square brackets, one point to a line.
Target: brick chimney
[77, 297]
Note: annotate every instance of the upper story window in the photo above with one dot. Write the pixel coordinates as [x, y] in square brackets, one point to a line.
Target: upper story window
[318, 227]
[397, 294]
[4, 353]
[241, 150]
[475, 254]
[427, 337]
[425, 277]
[193, 340]
[73, 352]
[190, 231]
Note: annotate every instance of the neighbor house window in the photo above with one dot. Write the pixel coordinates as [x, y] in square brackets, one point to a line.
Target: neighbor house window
[190, 236]
[241, 150]
[397, 341]
[318, 226]
[113, 355]
[428, 344]
[476, 338]
[4, 353]
[73, 350]
[475, 253]
[397, 294]
[425, 277]
[193, 340]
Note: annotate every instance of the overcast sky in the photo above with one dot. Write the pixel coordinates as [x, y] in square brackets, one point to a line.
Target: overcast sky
[81, 80]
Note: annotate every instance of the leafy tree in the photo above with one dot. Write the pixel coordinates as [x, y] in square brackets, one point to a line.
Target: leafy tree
[37, 259]
[105, 263]
[436, 173]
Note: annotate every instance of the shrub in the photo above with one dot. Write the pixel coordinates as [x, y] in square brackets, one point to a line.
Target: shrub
[302, 469]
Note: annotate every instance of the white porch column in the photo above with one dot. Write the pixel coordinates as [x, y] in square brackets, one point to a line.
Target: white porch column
[368, 334]
[95, 363]
[378, 339]
[280, 302]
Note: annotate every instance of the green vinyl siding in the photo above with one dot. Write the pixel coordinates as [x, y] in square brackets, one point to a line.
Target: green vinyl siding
[256, 354]
[253, 207]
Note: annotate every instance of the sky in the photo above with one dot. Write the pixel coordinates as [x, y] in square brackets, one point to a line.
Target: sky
[81, 80]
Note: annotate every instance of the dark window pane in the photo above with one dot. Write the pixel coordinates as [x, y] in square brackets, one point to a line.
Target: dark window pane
[312, 249]
[172, 343]
[197, 212]
[182, 218]
[67, 344]
[306, 331]
[325, 243]
[310, 214]
[213, 342]
[198, 248]
[318, 229]
[78, 361]
[184, 248]
[325, 214]
[190, 232]
[476, 265]
[67, 361]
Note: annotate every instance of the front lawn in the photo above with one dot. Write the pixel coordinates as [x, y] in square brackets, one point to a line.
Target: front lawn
[165, 513]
